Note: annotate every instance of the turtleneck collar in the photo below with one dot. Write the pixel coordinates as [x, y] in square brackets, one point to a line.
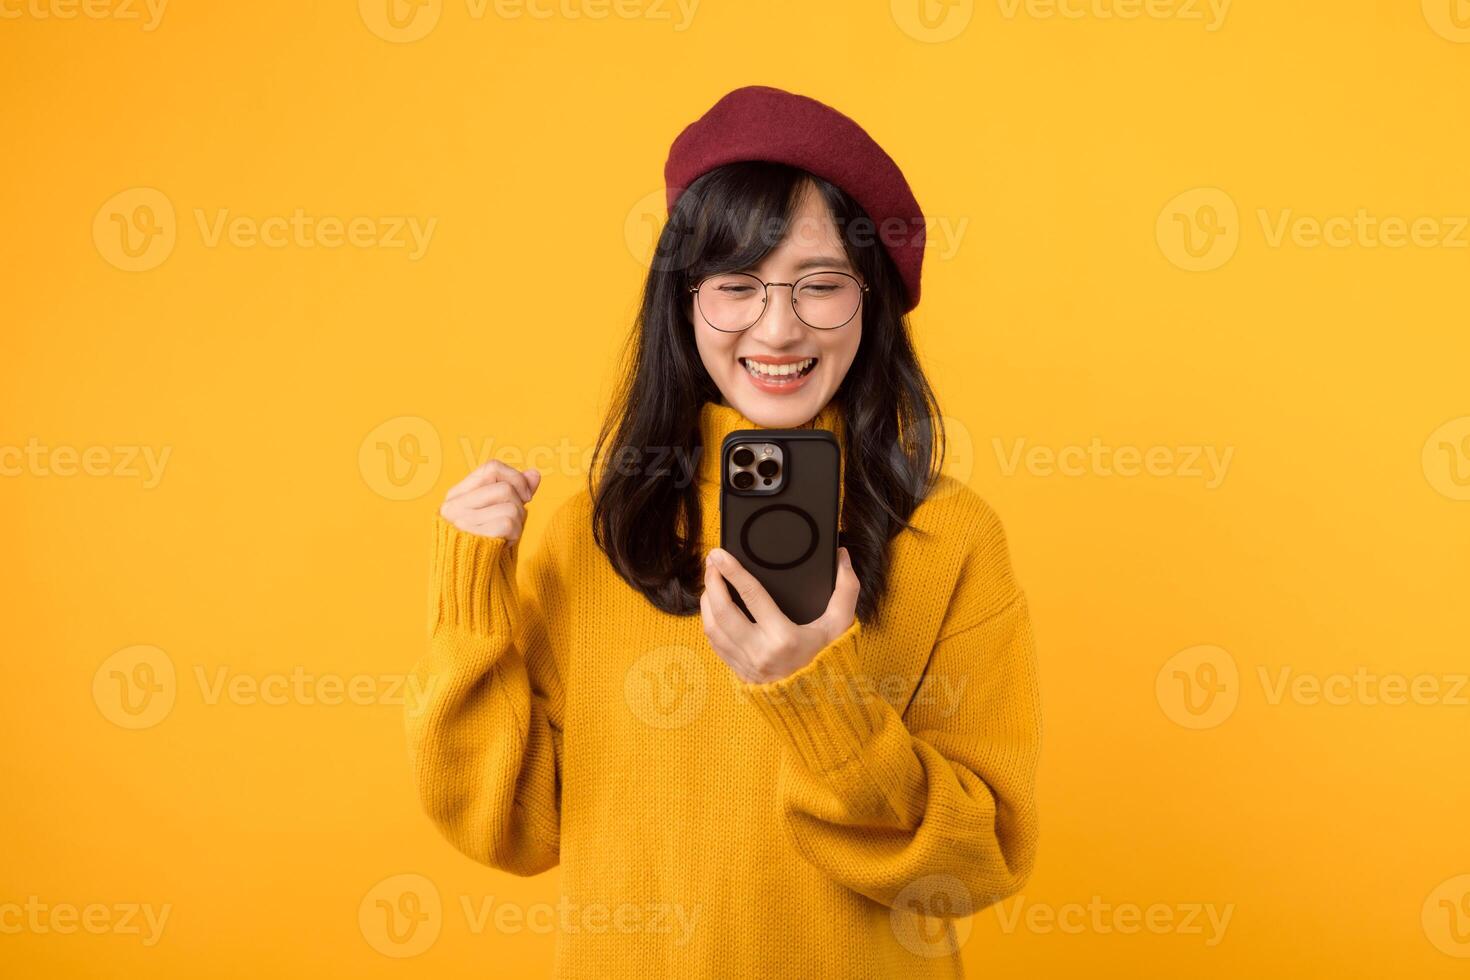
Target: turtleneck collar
[716, 421]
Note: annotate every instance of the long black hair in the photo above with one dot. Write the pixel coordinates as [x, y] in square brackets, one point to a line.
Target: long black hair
[647, 518]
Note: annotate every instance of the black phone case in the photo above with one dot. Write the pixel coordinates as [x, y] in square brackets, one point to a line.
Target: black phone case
[788, 539]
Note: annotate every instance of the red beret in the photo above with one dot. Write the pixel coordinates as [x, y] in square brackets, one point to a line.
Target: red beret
[758, 122]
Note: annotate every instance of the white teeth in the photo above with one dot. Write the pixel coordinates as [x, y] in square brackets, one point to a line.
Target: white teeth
[778, 370]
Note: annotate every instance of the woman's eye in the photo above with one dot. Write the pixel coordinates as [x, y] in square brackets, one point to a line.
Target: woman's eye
[819, 289]
[735, 290]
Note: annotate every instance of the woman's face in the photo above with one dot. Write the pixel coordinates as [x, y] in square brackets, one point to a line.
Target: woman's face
[812, 244]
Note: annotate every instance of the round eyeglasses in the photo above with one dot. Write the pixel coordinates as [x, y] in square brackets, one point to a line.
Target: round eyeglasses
[733, 301]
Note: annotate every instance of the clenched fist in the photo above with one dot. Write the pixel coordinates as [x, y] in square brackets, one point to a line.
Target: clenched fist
[491, 501]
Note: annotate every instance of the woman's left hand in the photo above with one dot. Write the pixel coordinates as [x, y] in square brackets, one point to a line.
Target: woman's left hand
[773, 646]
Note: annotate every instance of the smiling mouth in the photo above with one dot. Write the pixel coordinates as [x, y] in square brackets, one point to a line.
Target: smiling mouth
[779, 373]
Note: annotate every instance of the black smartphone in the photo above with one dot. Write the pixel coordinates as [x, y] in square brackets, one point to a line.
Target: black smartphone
[778, 514]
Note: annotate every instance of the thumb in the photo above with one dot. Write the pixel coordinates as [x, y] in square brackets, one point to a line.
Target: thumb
[842, 607]
[533, 479]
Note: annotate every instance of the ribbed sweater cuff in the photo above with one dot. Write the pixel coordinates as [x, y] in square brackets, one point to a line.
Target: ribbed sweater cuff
[825, 711]
[470, 571]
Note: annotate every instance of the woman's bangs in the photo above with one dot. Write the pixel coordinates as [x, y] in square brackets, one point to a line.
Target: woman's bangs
[738, 220]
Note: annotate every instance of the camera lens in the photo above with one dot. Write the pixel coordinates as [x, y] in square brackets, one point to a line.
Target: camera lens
[743, 480]
[743, 457]
[768, 467]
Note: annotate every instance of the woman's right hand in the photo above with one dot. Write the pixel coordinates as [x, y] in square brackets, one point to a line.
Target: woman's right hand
[491, 501]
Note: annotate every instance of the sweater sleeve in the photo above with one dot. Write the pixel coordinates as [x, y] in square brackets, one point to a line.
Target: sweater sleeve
[935, 805]
[485, 741]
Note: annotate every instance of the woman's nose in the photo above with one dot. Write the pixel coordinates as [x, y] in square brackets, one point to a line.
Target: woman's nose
[779, 323]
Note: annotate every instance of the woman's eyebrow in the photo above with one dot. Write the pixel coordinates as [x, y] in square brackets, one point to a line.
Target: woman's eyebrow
[821, 260]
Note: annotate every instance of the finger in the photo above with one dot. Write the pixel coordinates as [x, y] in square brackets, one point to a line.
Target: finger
[726, 649]
[842, 607]
[716, 634]
[502, 526]
[495, 471]
[484, 475]
[756, 598]
[478, 477]
[481, 497]
[468, 517]
[517, 479]
[533, 481]
[738, 630]
[511, 518]
[508, 509]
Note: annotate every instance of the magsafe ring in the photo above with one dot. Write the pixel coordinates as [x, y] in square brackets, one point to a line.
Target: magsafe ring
[812, 539]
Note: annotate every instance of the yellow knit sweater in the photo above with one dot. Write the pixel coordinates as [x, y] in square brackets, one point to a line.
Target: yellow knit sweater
[839, 822]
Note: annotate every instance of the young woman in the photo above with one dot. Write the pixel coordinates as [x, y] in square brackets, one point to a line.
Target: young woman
[727, 797]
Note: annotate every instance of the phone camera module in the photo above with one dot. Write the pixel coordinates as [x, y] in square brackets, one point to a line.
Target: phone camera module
[755, 467]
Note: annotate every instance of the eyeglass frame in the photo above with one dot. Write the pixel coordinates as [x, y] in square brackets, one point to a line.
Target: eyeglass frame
[766, 297]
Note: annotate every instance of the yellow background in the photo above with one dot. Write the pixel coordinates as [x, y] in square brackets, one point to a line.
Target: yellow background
[1074, 151]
